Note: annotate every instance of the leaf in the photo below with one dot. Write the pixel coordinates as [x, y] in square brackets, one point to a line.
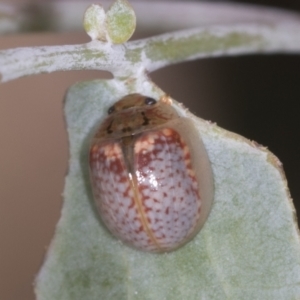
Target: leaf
[248, 248]
[94, 22]
[120, 21]
[117, 26]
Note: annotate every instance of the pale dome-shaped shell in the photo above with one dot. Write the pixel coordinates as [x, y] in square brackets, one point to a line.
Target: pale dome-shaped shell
[150, 173]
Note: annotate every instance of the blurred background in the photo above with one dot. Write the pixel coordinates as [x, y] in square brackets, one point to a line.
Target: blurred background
[255, 96]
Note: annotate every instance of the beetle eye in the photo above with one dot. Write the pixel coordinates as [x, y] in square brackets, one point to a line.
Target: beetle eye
[111, 110]
[150, 101]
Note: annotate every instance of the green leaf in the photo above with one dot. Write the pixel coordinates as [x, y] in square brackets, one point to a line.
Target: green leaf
[120, 21]
[94, 22]
[248, 248]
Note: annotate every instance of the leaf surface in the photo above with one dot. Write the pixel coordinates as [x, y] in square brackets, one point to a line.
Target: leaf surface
[248, 248]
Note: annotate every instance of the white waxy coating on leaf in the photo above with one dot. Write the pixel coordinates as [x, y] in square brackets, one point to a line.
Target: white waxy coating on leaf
[276, 33]
[94, 22]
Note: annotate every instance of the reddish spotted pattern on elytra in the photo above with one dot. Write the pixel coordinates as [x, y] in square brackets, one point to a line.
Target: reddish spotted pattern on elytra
[151, 190]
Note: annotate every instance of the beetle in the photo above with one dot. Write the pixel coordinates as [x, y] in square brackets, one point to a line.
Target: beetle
[150, 173]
